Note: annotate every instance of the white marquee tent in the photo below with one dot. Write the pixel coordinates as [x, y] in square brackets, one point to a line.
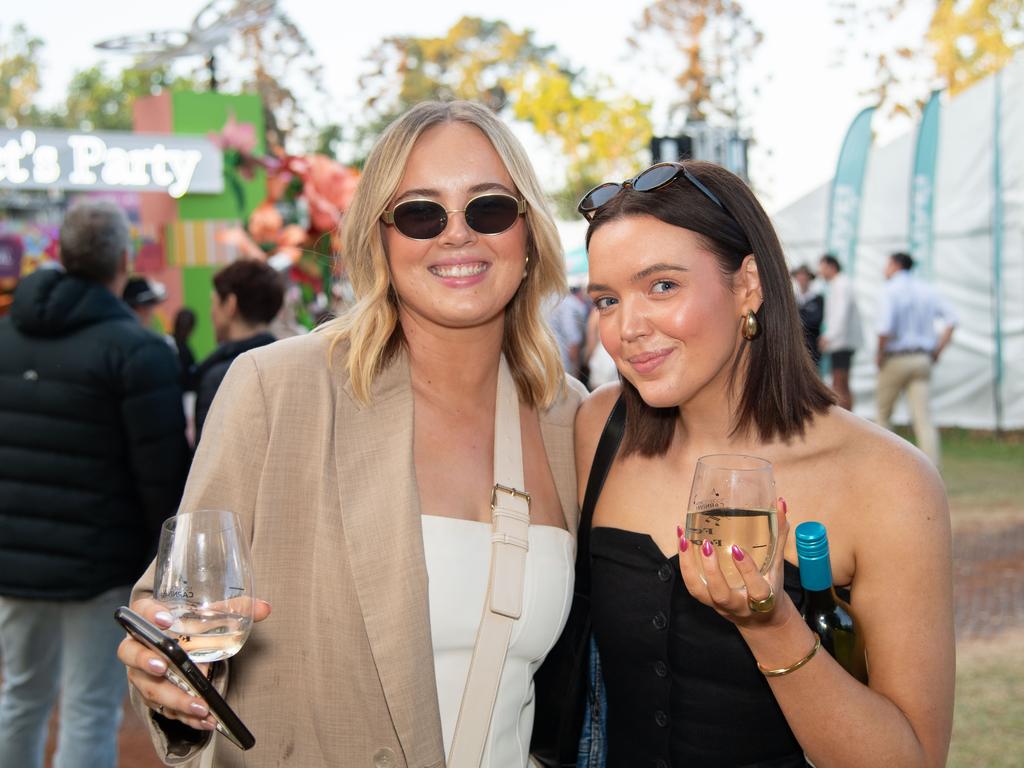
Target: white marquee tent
[977, 265]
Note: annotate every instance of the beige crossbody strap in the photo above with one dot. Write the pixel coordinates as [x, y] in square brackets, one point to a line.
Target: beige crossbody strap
[510, 514]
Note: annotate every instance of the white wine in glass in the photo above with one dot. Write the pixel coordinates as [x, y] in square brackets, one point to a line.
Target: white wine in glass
[204, 580]
[732, 501]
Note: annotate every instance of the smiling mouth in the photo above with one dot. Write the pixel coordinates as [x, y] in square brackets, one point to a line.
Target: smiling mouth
[647, 357]
[458, 270]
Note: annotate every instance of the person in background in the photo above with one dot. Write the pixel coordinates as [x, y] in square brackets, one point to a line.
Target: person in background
[568, 321]
[600, 366]
[697, 310]
[842, 332]
[247, 295]
[144, 296]
[908, 347]
[360, 459]
[811, 306]
[184, 324]
[94, 459]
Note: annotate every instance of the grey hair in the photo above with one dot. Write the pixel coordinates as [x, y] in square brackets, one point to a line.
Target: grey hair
[93, 240]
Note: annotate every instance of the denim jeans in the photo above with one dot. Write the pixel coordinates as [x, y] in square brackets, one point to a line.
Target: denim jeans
[70, 647]
[593, 748]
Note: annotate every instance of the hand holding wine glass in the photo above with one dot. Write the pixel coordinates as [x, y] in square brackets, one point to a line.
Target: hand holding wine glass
[732, 502]
[204, 581]
[172, 601]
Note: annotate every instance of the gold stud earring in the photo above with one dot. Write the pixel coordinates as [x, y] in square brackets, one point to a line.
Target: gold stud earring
[749, 326]
[525, 265]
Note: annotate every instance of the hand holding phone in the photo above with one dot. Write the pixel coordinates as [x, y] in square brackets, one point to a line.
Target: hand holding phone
[184, 673]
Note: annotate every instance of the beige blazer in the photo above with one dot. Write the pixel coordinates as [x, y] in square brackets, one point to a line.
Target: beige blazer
[341, 673]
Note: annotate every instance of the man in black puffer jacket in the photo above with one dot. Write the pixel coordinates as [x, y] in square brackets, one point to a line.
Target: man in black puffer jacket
[92, 459]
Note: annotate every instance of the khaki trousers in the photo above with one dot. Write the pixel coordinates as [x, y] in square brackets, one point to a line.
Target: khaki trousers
[910, 373]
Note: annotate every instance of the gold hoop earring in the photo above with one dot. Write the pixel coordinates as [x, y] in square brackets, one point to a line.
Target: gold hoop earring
[749, 326]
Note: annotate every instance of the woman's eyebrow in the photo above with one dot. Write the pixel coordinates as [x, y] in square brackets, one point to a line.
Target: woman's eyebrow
[428, 192]
[489, 185]
[660, 267]
[653, 269]
[418, 192]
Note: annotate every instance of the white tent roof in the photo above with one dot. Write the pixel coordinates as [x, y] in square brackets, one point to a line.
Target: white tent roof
[965, 249]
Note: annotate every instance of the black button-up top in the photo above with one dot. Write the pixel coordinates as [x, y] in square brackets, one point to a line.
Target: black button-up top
[683, 689]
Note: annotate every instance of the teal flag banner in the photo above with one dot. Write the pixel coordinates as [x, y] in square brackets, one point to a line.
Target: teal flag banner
[844, 204]
[922, 186]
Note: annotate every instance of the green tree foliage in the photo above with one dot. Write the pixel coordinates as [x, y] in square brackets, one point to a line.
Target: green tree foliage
[272, 59]
[599, 139]
[972, 40]
[275, 60]
[100, 101]
[962, 42]
[518, 77]
[95, 99]
[19, 75]
[475, 59]
[706, 42]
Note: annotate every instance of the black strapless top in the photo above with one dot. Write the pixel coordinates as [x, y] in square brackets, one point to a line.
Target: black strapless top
[683, 688]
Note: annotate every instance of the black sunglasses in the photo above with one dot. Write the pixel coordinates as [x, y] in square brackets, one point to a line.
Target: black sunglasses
[655, 177]
[489, 214]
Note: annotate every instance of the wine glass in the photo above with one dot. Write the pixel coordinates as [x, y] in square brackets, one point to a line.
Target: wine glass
[204, 578]
[732, 501]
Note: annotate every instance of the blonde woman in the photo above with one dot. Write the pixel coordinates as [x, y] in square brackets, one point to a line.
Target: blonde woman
[360, 460]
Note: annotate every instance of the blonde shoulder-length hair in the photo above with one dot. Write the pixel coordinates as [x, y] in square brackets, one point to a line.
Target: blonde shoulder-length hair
[371, 328]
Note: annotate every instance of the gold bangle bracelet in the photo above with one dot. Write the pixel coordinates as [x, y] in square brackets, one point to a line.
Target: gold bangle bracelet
[793, 667]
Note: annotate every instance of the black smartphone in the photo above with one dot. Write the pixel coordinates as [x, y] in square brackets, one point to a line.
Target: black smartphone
[183, 672]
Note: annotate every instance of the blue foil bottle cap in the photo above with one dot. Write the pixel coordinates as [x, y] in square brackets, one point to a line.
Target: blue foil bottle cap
[812, 554]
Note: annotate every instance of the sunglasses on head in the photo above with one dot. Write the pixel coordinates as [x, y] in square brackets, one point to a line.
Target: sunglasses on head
[654, 178]
[489, 214]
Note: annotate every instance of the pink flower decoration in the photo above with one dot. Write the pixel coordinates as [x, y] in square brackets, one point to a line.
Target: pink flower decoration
[265, 223]
[235, 135]
[328, 189]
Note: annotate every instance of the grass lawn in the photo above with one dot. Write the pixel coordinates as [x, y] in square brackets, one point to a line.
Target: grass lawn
[984, 476]
[988, 719]
[985, 482]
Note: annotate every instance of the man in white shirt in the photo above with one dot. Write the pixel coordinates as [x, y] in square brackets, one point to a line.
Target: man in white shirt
[908, 346]
[842, 334]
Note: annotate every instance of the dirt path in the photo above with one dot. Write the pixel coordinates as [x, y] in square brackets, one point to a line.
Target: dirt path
[988, 578]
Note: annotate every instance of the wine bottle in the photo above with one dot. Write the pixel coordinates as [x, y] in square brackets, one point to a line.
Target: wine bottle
[825, 613]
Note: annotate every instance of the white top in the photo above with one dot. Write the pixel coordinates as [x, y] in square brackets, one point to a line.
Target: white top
[602, 367]
[842, 320]
[908, 313]
[458, 556]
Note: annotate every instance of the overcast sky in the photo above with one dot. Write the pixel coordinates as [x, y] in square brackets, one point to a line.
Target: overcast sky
[804, 106]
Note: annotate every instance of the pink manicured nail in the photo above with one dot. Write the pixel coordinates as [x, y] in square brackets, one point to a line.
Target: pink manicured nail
[679, 532]
[157, 666]
[707, 548]
[198, 709]
[785, 509]
[737, 553]
[683, 544]
[163, 618]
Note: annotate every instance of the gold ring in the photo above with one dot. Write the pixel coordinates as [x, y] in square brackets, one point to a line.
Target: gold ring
[763, 606]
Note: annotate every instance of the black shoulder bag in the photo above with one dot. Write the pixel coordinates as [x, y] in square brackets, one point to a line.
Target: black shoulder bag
[561, 682]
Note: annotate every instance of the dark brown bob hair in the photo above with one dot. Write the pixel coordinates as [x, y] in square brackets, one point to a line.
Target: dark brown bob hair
[780, 389]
